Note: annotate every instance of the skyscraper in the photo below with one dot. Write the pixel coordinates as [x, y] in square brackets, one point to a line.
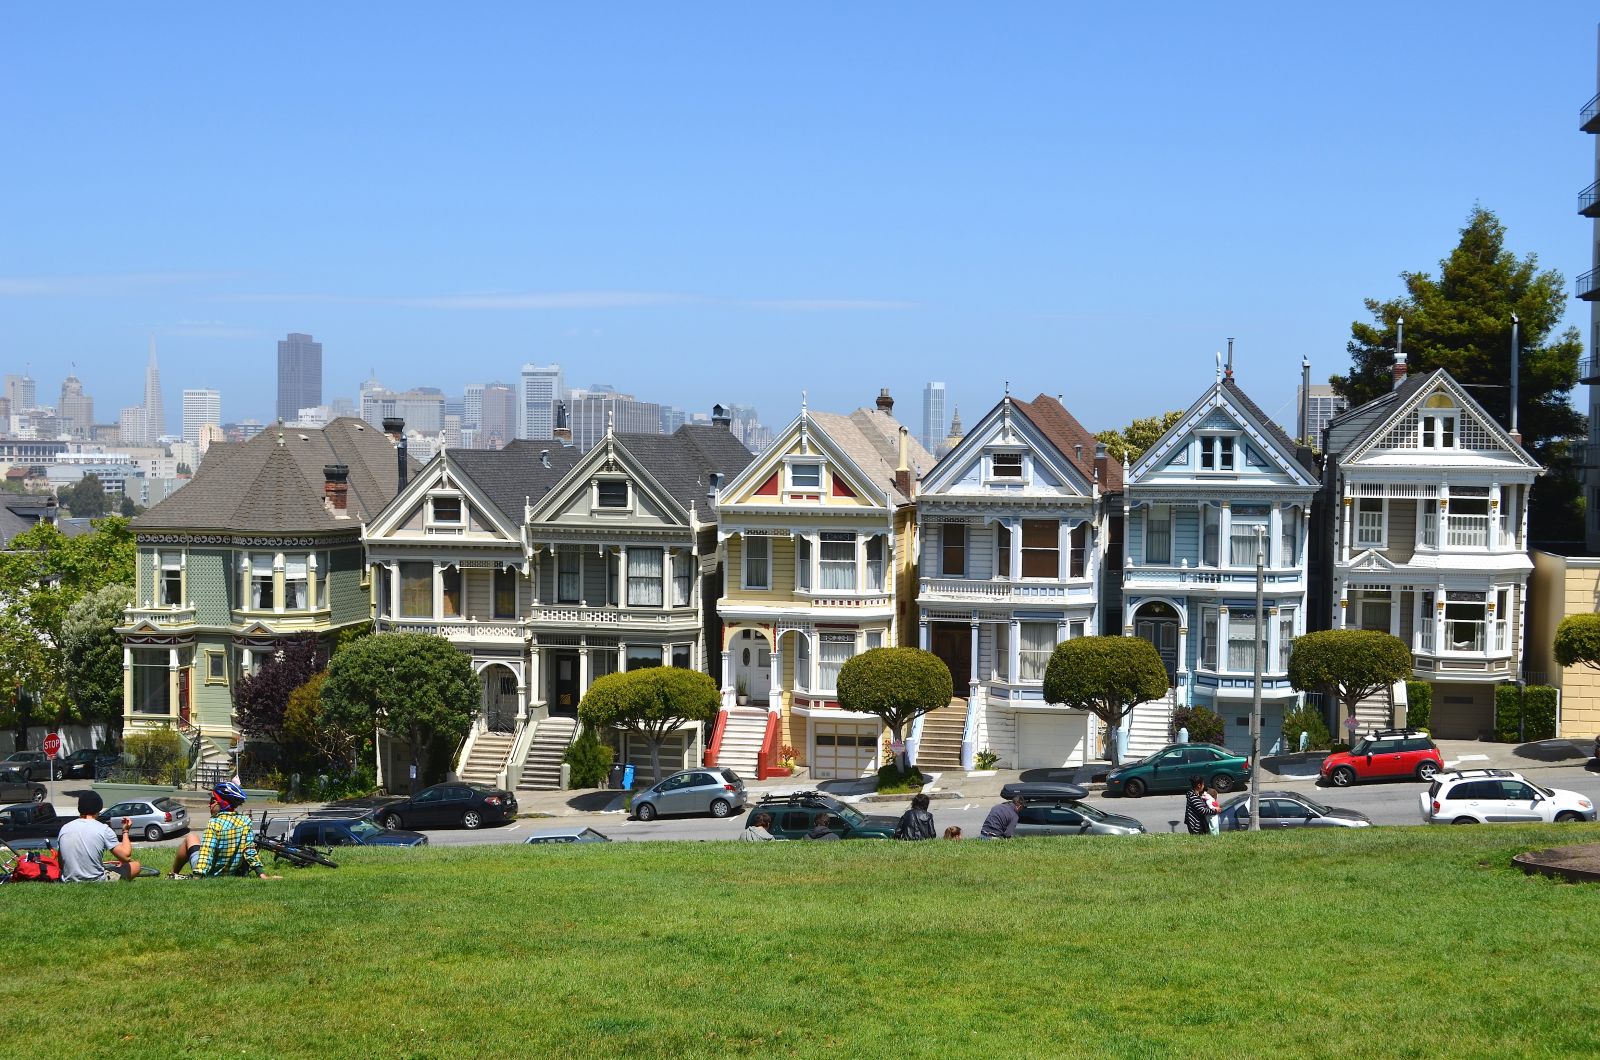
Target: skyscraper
[591, 412]
[155, 416]
[1322, 406]
[299, 375]
[200, 407]
[22, 392]
[76, 408]
[932, 416]
[130, 425]
[536, 402]
[472, 405]
[497, 420]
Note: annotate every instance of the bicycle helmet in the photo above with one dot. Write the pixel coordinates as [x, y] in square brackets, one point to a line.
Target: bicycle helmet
[229, 792]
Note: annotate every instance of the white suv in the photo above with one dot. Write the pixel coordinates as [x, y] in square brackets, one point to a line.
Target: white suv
[1486, 796]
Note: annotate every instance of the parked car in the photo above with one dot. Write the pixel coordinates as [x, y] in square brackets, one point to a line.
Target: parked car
[353, 831]
[89, 763]
[16, 787]
[1058, 809]
[1490, 796]
[155, 819]
[30, 820]
[1171, 768]
[715, 791]
[1386, 754]
[794, 814]
[35, 765]
[447, 805]
[1287, 809]
[568, 835]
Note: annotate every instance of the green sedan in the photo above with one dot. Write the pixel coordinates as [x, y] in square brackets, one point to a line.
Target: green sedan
[1171, 768]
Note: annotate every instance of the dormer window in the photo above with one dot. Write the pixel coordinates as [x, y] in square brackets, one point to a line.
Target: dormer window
[1216, 453]
[1006, 465]
[611, 493]
[805, 476]
[446, 510]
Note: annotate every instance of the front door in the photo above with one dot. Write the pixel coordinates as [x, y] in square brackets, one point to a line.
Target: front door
[500, 699]
[183, 696]
[564, 698]
[952, 642]
[1163, 633]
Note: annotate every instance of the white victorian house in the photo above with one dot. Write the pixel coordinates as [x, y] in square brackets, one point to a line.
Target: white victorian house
[1222, 481]
[1011, 529]
[1428, 523]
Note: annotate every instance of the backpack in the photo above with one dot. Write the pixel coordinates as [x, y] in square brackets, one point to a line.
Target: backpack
[37, 868]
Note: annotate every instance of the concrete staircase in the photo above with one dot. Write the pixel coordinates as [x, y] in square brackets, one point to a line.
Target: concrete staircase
[743, 731]
[1150, 726]
[214, 762]
[940, 749]
[541, 770]
[488, 757]
[1374, 712]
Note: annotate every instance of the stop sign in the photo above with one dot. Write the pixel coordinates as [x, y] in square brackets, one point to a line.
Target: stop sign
[52, 745]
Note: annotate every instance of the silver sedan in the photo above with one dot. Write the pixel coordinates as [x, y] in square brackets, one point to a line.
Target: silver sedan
[1287, 809]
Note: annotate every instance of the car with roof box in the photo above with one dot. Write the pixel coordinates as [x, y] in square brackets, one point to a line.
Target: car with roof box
[1499, 796]
[1384, 754]
[1051, 808]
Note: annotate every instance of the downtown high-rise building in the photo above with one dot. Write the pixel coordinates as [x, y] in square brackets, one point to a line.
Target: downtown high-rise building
[590, 413]
[130, 426]
[472, 405]
[1321, 404]
[299, 375]
[541, 390]
[155, 414]
[76, 409]
[21, 392]
[497, 419]
[932, 415]
[200, 408]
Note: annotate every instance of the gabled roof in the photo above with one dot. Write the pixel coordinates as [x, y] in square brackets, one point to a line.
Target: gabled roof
[516, 474]
[1356, 431]
[1353, 426]
[1227, 391]
[682, 461]
[274, 482]
[1069, 437]
[871, 439]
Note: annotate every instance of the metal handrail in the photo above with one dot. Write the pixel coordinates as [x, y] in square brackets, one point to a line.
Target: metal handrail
[1588, 282]
[1589, 196]
[1589, 111]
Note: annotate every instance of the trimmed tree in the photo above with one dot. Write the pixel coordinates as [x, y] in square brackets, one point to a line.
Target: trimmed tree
[415, 685]
[261, 698]
[92, 654]
[305, 728]
[1577, 641]
[897, 686]
[651, 702]
[1351, 663]
[1107, 676]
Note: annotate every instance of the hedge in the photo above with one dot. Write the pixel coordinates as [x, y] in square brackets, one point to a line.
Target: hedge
[1541, 707]
[1419, 704]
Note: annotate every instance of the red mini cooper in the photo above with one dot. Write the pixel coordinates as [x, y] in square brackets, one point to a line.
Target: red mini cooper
[1384, 755]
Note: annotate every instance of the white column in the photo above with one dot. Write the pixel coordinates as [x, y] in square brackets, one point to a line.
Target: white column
[1222, 639]
[1345, 503]
[311, 581]
[1063, 550]
[1013, 647]
[1439, 644]
[583, 672]
[535, 660]
[1444, 515]
[438, 591]
[1269, 665]
[667, 555]
[622, 575]
[922, 633]
[174, 708]
[394, 590]
[277, 583]
[1016, 548]
[583, 583]
[727, 678]
[1183, 651]
[775, 686]
[1224, 532]
[972, 673]
[1344, 606]
[1275, 536]
[1494, 516]
[622, 655]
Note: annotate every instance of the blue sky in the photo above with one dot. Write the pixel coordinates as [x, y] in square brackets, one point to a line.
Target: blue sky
[734, 202]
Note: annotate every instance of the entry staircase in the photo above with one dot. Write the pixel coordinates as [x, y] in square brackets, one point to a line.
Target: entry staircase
[1374, 712]
[541, 769]
[940, 749]
[214, 763]
[742, 733]
[1150, 726]
[488, 757]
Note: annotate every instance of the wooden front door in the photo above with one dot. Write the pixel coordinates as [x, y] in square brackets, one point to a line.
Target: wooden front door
[952, 642]
[1163, 633]
[564, 702]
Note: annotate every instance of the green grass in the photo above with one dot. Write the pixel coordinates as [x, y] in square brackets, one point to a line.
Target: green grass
[1384, 942]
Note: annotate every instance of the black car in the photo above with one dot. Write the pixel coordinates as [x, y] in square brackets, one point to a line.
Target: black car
[449, 805]
[352, 832]
[35, 765]
[89, 763]
[794, 814]
[16, 787]
[30, 820]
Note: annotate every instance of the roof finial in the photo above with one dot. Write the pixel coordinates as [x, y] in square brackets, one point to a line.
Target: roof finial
[1219, 366]
[802, 403]
[1008, 389]
[610, 419]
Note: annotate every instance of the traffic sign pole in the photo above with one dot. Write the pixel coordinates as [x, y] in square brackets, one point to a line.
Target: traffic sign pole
[52, 751]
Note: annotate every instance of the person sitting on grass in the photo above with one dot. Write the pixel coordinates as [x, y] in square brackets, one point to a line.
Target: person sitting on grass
[917, 822]
[227, 847]
[84, 842]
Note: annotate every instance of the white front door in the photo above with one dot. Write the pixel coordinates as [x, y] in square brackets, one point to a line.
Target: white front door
[841, 749]
[1051, 741]
[752, 660]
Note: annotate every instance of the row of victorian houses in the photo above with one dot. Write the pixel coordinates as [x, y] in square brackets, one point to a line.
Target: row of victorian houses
[550, 568]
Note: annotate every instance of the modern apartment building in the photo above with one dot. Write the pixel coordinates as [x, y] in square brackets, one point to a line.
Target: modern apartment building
[200, 408]
[299, 375]
[1321, 405]
[540, 390]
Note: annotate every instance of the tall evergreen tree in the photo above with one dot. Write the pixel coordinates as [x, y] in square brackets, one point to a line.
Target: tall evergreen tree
[1461, 321]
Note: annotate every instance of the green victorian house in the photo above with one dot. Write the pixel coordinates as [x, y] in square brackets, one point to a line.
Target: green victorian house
[263, 544]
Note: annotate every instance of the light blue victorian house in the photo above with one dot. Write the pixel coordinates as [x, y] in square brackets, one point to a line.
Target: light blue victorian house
[1197, 502]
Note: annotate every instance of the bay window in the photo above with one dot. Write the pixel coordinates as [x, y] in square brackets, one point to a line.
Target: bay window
[874, 638]
[1469, 522]
[416, 590]
[682, 578]
[1241, 641]
[1041, 548]
[1080, 546]
[1289, 538]
[1002, 558]
[1373, 608]
[756, 555]
[152, 690]
[262, 598]
[953, 550]
[1211, 522]
[450, 592]
[838, 562]
[1425, 622]
[642, 656]
[1430, 524]
[802, 662]
[645, 572]
[1285, 639]
[1464, 619]
[294, 583]
[833, 651]
[1242, 541]
[505, 594]
[324, 568]
[1370, 522]
[1002, 652]
[1035, 642]
[1502, 619]
[680, 657]
[380, 576]
[1158, 534]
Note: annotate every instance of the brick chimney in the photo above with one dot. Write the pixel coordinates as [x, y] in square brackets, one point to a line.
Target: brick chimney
[1399, 370]
[1102, 464]
[885, 402]
[336, 489]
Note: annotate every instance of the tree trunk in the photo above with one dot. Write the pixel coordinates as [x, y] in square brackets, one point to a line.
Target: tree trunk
[655, 757]
[902, 759]
[1113, 750]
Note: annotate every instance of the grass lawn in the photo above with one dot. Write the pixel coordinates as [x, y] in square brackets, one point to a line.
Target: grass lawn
[1380, 942]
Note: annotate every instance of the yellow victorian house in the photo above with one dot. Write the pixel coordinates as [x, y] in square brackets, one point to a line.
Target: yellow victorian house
[819, 563]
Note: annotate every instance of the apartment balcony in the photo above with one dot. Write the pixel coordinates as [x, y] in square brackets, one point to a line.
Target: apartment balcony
[1589, 370]
[284, 621]
[1588, 285]
[1589, 116]
[557, 616]
[160, 616]
[985, 591]
[1221, 579]
[1589, 200]
[1473, 651]
[457, 630]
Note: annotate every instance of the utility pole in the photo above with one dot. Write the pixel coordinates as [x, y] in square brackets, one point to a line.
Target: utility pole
[1255, 696]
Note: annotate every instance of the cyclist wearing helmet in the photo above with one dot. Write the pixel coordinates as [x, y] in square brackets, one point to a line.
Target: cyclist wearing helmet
[227, 847]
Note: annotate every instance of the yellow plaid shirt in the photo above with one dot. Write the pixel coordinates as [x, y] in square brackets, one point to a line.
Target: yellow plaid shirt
[228, 848]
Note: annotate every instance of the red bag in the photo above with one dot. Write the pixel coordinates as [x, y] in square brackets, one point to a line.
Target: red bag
[38, 868]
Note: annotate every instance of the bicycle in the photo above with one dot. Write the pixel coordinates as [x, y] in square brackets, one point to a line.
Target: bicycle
[296, 854]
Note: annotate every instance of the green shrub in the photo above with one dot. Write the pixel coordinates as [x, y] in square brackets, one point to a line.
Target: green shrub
[1540, 701]
[1338, 748]
[893, 782]
[1205, 726]
[986, 759]
[158, 756]
[1306, 720]
[1419, 704]
[589, 760]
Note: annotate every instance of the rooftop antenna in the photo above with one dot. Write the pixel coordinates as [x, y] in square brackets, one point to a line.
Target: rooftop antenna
[1516, 356]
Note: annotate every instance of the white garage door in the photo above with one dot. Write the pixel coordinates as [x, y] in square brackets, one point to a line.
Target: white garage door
[843, 749]
[1050, 741]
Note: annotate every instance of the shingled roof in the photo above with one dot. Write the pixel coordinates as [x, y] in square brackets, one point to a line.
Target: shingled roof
[515, 475]
[871, 438]
[682, 460]
[273, 483]
[1070, 437]
[1349, 429]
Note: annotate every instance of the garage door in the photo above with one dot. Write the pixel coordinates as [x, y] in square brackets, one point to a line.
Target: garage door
[1050, 741]
[1462, 712]
[843, 749]
[1236, 728]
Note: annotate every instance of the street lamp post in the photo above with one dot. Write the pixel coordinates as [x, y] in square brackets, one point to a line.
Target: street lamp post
[1255, 695]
